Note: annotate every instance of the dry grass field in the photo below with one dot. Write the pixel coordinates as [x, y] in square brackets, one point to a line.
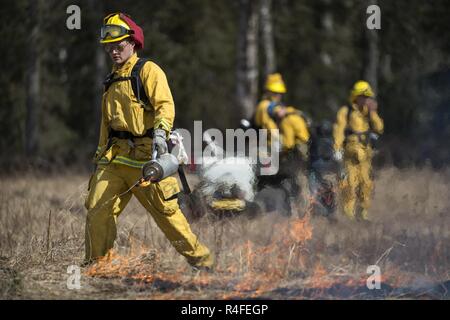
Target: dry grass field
[269, 256]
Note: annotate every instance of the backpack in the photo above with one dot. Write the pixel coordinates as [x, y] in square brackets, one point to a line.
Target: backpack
[136, 82]
[271, 108]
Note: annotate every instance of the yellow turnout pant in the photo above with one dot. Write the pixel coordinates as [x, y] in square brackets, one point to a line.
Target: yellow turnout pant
[105, 203]
[357, 185]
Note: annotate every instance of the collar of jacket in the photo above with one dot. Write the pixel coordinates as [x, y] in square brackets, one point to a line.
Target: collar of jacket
[364, 111]
[126, 67]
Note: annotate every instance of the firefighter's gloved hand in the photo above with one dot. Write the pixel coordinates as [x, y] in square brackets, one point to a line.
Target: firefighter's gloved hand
[338, 155]
[160, 141]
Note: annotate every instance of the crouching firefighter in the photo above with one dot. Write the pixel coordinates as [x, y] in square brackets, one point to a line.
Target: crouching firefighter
[356, 129]
[137, 117]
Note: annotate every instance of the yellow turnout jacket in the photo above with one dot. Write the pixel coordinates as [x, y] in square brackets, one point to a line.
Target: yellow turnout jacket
[121, 111]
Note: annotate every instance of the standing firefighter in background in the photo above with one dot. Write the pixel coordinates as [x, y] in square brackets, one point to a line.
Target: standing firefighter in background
[355, 130]
[137, 116]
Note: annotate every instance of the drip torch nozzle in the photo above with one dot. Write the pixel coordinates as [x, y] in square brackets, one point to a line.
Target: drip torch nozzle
[156, 170]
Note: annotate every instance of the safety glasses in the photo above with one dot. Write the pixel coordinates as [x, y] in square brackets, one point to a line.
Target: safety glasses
[111, 31]
[110, 47]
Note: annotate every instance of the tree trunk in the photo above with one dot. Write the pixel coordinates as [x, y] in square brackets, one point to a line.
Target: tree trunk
[33, 81]
[100, 73]
[372, 54]
[270, 65]
[247, 57]
[328, 27]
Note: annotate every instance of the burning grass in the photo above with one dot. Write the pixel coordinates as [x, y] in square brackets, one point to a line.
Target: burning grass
[270, 256]
[257, 269]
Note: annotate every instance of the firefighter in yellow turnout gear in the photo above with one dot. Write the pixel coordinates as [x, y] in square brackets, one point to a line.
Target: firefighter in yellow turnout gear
[130, 130]
[353, 131]
[272, 114]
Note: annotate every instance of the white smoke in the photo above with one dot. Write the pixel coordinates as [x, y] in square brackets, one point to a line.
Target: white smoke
[228, 174]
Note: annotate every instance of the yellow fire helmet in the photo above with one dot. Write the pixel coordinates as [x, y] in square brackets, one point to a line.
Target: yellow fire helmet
[361, 88]
[114, 29]
[275, 83]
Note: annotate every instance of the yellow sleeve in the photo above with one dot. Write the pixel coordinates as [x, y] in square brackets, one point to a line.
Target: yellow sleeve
[258, 114]
[261, 110]
[268, 122]
[159, 94]
[339, 128]
[262, 117]
[294, 130]
[376, 122]
[103, 138]
[301, 128]
[288, 134]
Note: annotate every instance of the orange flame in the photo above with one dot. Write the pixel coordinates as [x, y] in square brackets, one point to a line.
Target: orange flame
[260, 268]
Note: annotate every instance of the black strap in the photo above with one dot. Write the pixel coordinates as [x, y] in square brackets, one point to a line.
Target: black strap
[110, 80]
[183, 180]
[128, 135]
[349, 131]
[181, 174]
[136, 82]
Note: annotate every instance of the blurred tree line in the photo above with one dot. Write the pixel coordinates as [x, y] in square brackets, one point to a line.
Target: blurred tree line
[216, 55]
